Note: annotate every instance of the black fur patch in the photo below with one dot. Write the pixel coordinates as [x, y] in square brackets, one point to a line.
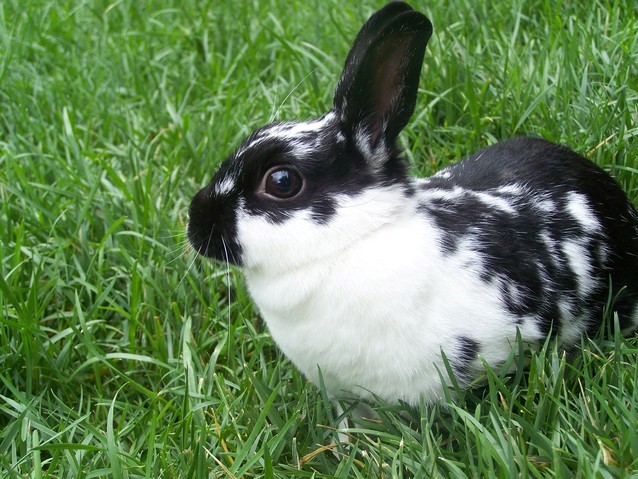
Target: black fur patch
[465, 357]
[512, 246]
[323, 209]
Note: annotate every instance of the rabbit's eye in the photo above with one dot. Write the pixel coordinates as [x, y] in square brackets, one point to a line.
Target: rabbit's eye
[282, 182]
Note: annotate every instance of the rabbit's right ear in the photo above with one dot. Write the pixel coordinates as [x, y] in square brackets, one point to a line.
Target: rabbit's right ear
[376, 94]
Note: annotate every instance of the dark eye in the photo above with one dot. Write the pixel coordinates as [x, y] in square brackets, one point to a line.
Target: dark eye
[282, 182]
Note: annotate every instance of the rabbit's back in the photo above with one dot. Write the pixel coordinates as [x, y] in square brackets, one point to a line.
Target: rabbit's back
[546, 225]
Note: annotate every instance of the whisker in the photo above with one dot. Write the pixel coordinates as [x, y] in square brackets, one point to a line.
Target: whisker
[180, 251]
[177, 234]
[190, 266]
[227, 280]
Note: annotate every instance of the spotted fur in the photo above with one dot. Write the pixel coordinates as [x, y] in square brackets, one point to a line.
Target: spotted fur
[370, 277]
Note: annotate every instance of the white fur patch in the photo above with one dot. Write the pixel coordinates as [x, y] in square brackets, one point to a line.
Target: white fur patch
[495, 202]
[551, 247]
[225, 186]
[544, 204]
[444, 174]
[547, 240]
[580, 263]
[571, 327]
[490, 200]
[441, 193]
[511, 189]
[295, 133]
[376, 156]
[579, 209]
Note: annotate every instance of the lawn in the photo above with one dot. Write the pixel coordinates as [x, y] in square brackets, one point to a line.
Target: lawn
[124, 356]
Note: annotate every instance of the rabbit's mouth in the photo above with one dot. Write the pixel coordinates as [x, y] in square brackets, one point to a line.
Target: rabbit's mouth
[212, 228]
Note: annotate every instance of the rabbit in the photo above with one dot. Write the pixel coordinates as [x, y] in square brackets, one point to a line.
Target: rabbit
[372, 281]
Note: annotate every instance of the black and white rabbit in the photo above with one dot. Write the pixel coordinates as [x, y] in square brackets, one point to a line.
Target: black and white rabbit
[366, 275]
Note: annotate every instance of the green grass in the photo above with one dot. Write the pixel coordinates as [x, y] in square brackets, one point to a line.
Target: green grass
[122, 357]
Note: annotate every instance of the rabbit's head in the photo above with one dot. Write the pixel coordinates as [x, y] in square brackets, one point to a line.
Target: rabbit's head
[293, 193]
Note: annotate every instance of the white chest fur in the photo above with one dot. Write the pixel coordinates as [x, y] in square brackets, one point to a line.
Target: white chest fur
[373, 317]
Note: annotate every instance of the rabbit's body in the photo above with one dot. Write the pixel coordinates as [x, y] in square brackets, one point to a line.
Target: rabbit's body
[457, 263]
[368, 277]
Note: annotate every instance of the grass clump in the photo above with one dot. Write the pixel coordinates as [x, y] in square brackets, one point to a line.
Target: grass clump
[121, 359]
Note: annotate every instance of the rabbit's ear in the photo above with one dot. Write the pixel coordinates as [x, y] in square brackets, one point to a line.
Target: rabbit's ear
[376, 94]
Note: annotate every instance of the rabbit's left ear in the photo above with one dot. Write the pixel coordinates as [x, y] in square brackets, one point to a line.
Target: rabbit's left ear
[376, 94]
